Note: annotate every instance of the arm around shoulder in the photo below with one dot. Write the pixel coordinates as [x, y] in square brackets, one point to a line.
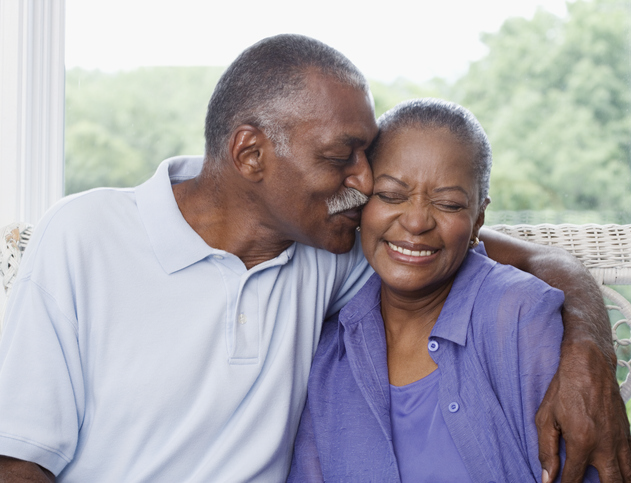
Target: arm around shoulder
[583, 400]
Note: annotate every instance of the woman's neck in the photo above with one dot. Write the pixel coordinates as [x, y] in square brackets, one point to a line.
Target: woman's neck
[408, 322]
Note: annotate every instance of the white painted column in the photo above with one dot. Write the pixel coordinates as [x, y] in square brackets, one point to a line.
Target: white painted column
[32, 78]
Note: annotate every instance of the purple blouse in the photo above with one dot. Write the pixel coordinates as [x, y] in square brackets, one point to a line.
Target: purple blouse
[496, 343]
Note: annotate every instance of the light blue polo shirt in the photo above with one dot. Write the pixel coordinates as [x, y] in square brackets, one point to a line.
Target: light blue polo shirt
[135, 352]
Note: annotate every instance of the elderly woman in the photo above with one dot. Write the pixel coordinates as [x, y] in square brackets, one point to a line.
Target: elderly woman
[434, 371]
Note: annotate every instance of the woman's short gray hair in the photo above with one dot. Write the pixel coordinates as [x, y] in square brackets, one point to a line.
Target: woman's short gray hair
[438, 113]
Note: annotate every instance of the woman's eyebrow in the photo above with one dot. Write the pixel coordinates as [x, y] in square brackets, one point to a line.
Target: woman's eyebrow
[391, 178]
[451, 188]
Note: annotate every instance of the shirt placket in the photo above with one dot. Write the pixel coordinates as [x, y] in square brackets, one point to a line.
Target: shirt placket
[244, 322]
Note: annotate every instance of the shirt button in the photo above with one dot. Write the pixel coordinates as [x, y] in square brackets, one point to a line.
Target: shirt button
[432, 346]
[242, 319]
[453, 407]
[218, 257]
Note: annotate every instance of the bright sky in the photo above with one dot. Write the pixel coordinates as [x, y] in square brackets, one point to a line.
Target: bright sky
[416, 39]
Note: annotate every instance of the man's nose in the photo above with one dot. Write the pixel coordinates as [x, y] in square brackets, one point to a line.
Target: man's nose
[360, 175]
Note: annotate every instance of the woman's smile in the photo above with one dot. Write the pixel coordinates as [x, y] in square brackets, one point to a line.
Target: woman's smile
[421, 254]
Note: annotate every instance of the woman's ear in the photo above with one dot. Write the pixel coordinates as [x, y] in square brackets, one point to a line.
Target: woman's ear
[480, 221]
[247, 147]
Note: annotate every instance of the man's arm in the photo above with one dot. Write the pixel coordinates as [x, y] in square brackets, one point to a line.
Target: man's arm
[583, 402]
[17, 471]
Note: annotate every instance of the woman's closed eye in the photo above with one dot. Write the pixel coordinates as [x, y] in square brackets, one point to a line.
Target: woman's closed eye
[389, 197]
[449, 207]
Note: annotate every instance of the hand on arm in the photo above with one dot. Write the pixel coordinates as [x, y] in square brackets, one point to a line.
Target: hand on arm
[17, 471]
[583, 402]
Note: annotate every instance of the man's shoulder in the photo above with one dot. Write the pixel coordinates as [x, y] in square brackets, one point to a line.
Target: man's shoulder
[94, 199]
[77, 219]
[87, 210]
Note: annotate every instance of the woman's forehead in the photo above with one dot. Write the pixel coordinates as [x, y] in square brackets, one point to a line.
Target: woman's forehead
[420, 142]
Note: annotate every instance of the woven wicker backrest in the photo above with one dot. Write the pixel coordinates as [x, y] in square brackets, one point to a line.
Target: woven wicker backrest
[606, 251]
[13, 240]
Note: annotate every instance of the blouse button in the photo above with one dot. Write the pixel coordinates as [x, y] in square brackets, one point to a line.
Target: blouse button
[453, 407]
[432, 346]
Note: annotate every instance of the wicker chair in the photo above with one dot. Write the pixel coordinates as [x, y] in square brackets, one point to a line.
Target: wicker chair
[604, 249]
[13, 241]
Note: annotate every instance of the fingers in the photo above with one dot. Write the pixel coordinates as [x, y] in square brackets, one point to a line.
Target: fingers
[574, 467]
[608, 470]
[549, 436]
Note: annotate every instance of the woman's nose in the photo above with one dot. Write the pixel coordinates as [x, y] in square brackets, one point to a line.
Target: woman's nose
[417, 218]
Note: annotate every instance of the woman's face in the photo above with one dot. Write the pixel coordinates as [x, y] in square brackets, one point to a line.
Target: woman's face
[416, 228]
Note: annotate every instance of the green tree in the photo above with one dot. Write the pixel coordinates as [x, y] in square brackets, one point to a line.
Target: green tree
[120, 126]
[554, 95]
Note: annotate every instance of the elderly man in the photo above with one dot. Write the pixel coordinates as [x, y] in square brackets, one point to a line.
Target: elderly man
[165, 333]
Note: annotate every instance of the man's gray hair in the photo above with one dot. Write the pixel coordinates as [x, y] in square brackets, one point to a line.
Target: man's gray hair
[438, 113]
[262, 85]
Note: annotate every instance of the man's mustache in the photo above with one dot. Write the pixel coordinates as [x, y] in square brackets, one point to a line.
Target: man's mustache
[345, 200]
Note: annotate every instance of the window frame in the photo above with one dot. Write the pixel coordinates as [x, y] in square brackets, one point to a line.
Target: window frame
[32, 98]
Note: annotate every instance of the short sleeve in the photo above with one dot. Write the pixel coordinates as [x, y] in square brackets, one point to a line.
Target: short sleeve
[41, 386]
[540, 331]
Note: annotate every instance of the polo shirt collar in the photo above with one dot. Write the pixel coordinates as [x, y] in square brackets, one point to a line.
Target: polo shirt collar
[174, 242]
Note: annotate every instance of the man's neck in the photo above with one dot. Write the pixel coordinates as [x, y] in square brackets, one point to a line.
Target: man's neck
[227, 222]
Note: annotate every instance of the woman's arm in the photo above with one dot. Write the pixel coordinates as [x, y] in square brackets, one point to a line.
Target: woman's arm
[583, 401]
[305, 466]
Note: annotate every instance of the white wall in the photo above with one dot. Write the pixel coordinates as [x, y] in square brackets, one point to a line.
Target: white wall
[31, 107]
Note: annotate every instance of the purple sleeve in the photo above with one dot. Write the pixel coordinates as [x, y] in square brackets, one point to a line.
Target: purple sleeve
[305, 466]
[539, 344]
[540, 331]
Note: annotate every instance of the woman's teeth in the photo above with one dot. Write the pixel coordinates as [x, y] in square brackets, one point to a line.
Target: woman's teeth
[414, 253]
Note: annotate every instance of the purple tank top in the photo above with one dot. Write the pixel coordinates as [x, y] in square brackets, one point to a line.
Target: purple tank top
[422, 443]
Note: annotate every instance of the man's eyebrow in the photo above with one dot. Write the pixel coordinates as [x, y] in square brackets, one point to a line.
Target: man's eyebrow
[352, 141]
[387, 177]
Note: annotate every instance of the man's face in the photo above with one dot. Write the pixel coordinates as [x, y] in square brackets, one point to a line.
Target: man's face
[309, 195]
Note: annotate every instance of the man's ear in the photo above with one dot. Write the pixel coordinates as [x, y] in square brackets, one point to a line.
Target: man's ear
[247, 148]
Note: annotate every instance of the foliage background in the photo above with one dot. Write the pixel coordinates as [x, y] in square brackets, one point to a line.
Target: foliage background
[554, 95]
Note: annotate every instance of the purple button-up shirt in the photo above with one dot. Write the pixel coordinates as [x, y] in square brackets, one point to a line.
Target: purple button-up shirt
[496, 343]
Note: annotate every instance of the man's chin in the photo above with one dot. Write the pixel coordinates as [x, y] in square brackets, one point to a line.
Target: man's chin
[353, 214]
[342, 244]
